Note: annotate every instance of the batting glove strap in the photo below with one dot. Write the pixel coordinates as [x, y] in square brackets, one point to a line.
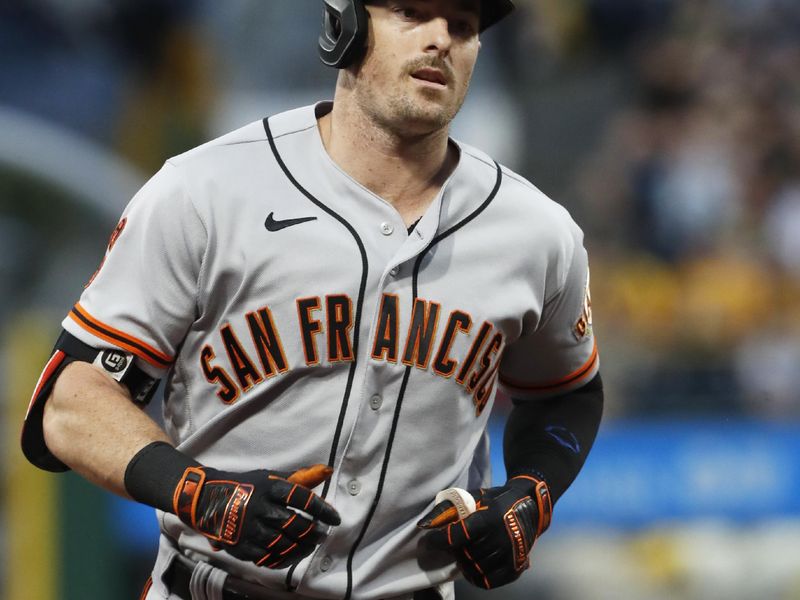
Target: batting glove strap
[221, 515]
[540, 494]
[187, 494]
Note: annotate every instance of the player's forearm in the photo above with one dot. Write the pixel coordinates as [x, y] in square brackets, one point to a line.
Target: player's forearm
[91, 424]
[552, 438]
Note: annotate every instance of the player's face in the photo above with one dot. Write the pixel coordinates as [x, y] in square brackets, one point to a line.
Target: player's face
[419, 62]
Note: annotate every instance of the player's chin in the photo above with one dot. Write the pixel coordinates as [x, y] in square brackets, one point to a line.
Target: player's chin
[426, 124]
[432, 113]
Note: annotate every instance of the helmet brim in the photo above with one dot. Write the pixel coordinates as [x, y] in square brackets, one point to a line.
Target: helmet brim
[493, 11]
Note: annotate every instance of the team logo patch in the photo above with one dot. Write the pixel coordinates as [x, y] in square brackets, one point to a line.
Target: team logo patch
[583, 327]
[111, 242]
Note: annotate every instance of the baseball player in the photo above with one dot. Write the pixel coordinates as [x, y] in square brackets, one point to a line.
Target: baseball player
[333, 296]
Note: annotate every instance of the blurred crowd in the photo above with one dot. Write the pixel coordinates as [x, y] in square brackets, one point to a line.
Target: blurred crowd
[690, 198]
[133, 74]
[680, 153]
[707, 170]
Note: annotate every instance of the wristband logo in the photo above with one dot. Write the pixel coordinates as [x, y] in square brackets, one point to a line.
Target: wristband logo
[114, 361]
[564, 437]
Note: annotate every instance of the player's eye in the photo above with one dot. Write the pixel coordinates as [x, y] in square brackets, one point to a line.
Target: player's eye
[408, 13]
[463, 27]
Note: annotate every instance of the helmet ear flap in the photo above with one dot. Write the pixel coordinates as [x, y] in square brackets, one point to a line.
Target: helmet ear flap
[344, 32]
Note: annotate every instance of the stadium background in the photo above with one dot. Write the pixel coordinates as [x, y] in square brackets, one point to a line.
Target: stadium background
[669, 128]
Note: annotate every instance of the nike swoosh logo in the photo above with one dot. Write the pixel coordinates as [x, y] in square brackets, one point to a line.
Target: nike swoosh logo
[274, 225]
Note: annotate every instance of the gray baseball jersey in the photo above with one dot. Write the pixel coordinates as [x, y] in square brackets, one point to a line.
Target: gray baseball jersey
[299, 322]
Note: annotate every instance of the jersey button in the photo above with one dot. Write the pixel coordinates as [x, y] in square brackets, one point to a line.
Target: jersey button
[354, 487]
[375, 402]
[394, 272]
[386, 228]
[326, 563]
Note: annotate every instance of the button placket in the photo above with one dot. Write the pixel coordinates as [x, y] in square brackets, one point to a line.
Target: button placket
[325, 564]
[375, 402]
[354, 487]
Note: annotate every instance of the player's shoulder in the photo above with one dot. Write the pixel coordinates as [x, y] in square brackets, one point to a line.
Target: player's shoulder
[236, 149]
[517, 194]
[229, 143]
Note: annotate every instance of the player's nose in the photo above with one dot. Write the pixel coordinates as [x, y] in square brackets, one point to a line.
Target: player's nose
[437, 35]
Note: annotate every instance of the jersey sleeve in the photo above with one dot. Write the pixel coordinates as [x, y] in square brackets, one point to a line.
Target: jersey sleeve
[559, 354]
[144, 296]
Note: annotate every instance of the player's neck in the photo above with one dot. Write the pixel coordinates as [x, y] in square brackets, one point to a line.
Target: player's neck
[406, 171]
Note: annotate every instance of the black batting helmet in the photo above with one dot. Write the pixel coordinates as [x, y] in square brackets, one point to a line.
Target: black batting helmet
[344, 28]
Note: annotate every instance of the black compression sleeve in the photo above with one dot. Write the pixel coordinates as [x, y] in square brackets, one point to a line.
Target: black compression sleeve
[154, 472]
[551, 438]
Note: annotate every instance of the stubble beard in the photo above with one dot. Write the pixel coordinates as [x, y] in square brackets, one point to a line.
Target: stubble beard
[425, 116]
[404, 115]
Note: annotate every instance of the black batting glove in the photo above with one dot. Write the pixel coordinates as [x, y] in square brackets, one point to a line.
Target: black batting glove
[491, 546]
[258, 516]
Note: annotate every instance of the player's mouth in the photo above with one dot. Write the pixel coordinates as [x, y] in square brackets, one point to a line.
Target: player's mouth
[430, 77]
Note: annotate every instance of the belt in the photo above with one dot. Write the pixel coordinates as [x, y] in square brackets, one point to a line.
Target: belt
[179, 574]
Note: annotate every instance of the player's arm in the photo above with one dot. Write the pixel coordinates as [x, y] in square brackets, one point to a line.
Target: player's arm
[550, 439]
[552, 374]
[545, 446]
[91, 424]
[82, 418]
[123, 335]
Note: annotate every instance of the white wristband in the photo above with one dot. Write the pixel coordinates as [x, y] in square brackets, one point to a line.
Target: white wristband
[461, 499]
